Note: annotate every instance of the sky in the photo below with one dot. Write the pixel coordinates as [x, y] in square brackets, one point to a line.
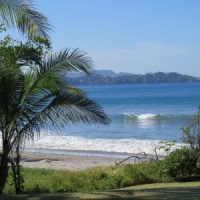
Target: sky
[137, 36]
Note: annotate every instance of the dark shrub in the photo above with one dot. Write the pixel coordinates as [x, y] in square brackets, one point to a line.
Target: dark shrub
[182, 164]
[143, 173]
[191, 134]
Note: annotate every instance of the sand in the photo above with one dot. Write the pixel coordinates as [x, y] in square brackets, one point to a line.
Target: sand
[68, 162]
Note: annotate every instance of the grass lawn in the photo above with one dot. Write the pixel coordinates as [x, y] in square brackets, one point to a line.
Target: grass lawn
[175, 191]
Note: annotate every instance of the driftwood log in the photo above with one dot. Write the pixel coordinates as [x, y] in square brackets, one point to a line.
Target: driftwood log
[144, 155]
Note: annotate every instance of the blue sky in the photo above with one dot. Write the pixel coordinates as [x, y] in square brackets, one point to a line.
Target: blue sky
[137, 36]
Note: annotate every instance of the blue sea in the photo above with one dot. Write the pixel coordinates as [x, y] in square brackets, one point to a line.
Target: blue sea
[141, 115]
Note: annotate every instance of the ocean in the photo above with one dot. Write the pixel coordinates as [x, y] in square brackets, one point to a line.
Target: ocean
[141, 115]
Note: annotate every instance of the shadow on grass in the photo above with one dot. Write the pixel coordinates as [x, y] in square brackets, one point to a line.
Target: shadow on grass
[39, 196]
[178, 193]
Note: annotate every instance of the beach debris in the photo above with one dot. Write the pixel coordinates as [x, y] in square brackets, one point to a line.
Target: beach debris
[138, 157]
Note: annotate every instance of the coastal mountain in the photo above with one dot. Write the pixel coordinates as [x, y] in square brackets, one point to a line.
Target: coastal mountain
[110, 77]
[103, 73]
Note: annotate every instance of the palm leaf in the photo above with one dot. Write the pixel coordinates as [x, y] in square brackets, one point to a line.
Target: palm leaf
[40, 98]
[55, 111]
[22, 15]
[67, 60]
[55, 65]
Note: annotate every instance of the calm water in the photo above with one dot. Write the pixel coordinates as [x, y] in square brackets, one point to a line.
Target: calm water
[143, 111]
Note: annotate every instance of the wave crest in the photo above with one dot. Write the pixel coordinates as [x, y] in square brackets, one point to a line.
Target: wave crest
[141, 116]
[152, 116]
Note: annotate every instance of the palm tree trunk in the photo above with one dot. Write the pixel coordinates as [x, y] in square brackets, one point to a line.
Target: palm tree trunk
[19, 179]
[16, 169]
[4, 166]
[18, 188]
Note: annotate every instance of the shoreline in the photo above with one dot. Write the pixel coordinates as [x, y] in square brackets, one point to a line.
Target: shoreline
[92, 153]
[70, 162]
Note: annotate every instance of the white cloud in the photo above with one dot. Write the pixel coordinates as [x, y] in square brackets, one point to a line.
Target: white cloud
[150, 57]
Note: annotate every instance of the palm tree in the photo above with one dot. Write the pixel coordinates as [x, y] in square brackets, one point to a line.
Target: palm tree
[22, 15]
[40, 99]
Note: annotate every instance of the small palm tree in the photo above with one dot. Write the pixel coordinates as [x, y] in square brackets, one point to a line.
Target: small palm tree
[39, 99]
[22, 15]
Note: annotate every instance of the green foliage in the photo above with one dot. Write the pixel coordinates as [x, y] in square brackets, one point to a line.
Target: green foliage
[16, 53]
[182, 164]
[179, 165]
[34, 96]
[45, 180]
[143, 173]
[191, 134]
[22, 15]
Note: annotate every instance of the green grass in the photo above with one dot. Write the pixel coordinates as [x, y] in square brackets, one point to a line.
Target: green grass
[94, 179]
[165, 191]
[102, 183]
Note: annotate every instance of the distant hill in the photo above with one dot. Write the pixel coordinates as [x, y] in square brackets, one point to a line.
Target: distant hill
[95, 72]
[103, 73]
[109, 77]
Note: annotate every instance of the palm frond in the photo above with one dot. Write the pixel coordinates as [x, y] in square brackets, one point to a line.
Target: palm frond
[40, 98]
[57, 110]
[23, 15]
[67, 60]
[50, 72]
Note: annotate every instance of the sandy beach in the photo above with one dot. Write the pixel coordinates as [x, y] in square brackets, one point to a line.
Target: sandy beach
[68, 162]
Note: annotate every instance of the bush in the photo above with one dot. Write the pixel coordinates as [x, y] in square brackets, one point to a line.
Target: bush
[143, 173]
[182, 164]
[191, 134]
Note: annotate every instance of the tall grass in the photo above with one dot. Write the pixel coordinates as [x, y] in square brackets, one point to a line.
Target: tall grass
[99, 178]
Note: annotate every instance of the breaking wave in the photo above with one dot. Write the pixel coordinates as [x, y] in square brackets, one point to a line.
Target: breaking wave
[72, 143]
[151, 116]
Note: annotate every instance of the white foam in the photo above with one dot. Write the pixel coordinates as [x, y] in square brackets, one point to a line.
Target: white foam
[126, 145]
[145, 116]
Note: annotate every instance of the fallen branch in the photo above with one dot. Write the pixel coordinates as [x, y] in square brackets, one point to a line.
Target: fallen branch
[134, 156]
